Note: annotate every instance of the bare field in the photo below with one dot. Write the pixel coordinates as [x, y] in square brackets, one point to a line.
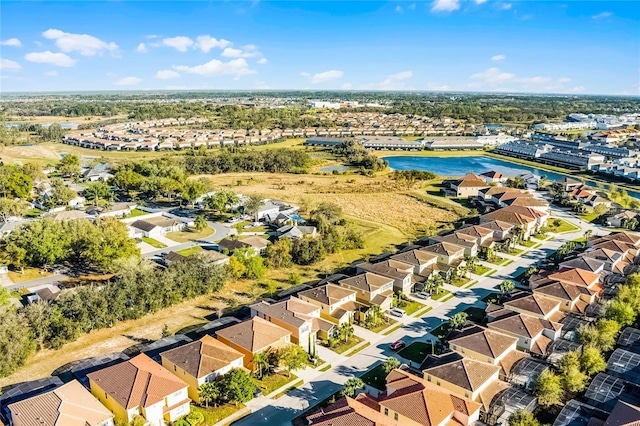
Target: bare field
[379, 200]
[32, 153]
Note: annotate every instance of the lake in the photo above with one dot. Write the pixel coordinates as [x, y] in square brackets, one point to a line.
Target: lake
[459, 166]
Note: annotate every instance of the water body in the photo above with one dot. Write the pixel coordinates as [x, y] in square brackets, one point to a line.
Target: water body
[332, 168]
[459, 166]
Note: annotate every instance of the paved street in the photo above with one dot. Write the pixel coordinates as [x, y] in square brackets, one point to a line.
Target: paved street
[321, 385]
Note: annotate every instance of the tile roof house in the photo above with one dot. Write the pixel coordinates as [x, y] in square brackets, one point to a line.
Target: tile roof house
[370, 289]
[299, 317]
[469, 243]
[295, 232]
[337, 304]
[577, 277]
[464, 377]
[259, 244]
[626, 236]
[533, 333]
[500, 229]
[572, 298]
[349, 411]
[613, 260]
[537, 305]
[401, 273]
[201, 362]
[517, 219]
[585, 263]
[618, 220]
[482, 344]
[68, 405]
[140, 386]
[467, 186]
[483, 235]
[624, 414]
[447, 253]
[420, 259]
[253, 336]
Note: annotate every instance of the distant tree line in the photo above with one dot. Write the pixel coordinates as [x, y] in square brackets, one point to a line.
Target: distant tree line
[138, 289]
[281, 160]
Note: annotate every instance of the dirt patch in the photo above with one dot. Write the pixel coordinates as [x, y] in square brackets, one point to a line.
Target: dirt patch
[32, 152]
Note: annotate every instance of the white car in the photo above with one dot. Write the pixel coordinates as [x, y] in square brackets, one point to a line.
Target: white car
[397, 312]
[422, 295]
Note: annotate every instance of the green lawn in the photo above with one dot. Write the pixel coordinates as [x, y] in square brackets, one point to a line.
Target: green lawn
[189, 251]
[352, 353]
[375, 377]
[589, 217]
[411, 306]
[449, 297]
[416, 352]
[480, 269]
[289, 389]
[528, 244]
[459, 282]
[475, 314]
[213, 415]
[136, 213]
[343, 347]
[441, 331]
[422, 312]
[440, 295]
[190, 235]
[326, 368]
[273, 382]
[154, 243]
[390, 331]
[559, 226]
[508, 262]
[34, 212]
[384, 324]
[513, 252]
[496, 260]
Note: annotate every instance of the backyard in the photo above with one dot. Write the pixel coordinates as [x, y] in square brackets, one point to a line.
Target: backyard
[273, 382]
[213, 415]
[375, 377]
[190, 235]
[417, 351]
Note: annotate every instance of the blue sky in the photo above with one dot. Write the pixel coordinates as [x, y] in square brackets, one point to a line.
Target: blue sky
[590, 47]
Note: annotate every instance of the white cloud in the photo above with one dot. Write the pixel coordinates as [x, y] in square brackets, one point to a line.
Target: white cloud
[9, 65]
[445, 5]
[206, 43]
[142, 48]
[51, 73]
[399, 9]
[498, 57]
[395, 81]
[493, 75]
[47, 57]
[128, 81]
[13, 42]
[166, 75]
[346, 86]
[323, 77]
[249, 52]
[602, 15]
[236, 67]
[493, 79]
[152, 36]
[262, 61]
[506, 6]
[438, 87]
[86, 44]
[180, 43]
[564, 80]
[577, 89]
[480, 1]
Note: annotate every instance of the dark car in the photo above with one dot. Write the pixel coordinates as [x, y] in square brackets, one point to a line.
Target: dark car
[397, 345]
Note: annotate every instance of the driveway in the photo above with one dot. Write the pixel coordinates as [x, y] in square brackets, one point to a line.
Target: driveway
[286, 408]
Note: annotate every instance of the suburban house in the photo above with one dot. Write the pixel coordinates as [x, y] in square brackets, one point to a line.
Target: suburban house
[501, 230]
[585, 263]
[407, 400]
[294, 232]
[140, 387]
[231, 245]
[448, 253]
[371, 289]
[613, 260]
[463, 376]
[483, 236]
[466, 186]
[201, 362]
[337, 304]
[299, 317]
[494, 177]
[267, 208]
[527, 222]
[572, 297]
[421, 260]
[482, 344]
[537, 305]
[578, 277]
[155, 228]
[400, 272]
[69, 405]
[533, 333]
[469, 243]
[258, 244]
[115, 210]
[253, 336]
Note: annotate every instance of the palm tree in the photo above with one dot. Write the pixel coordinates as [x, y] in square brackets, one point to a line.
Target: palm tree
[434, 283]
[345, 331]
[506, 286]
[472, 262]
[587, 234]
[261, 363]
[209, 392]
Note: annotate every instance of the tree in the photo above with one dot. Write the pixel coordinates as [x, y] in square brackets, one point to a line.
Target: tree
[14, 183]
[592, 361]
[278, 254]
[127, 180]
[69, 166]
[548, 389]
[471, 262]
[307, 250]
[389, 364]
[16, 341]
[61, 194]
[458, 320]
[238, 386]
[253, 204]
[351, 386]
[600, 209]
[200, 223]
[42, 240]
[96, 191]
[194, 188]
[10, 207]
[434, 284]
[523, 418]
[254, 266]
[515, 182]
[345, 331]
[293, 357]
[602, 336]
[621, 312]
[506, 286]
[261, 363]
[209, 392]
[571, 375]
[236, 267]
[111, 242]
[165, 331]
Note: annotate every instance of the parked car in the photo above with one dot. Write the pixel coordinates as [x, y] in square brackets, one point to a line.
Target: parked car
[422, 295]
[397, 345]
[397, 312]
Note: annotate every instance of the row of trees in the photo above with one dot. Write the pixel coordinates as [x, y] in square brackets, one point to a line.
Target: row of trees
[44, 242]
[234, 160]
[356, 155]
[138, 289]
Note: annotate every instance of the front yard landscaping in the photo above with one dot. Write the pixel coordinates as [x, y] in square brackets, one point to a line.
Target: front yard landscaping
[559, 226]
[273, 382]
[442, 293]
[496, 260]
[459, 282]
[528, 244]
[417, 351]
[411, 306]
[136, 213]
[28, 275]
[213, 415]
[345, 346]
[441, 331]
[154, 243]
[190, 235]
[480, 269]
[375, 377]
[384, 324]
